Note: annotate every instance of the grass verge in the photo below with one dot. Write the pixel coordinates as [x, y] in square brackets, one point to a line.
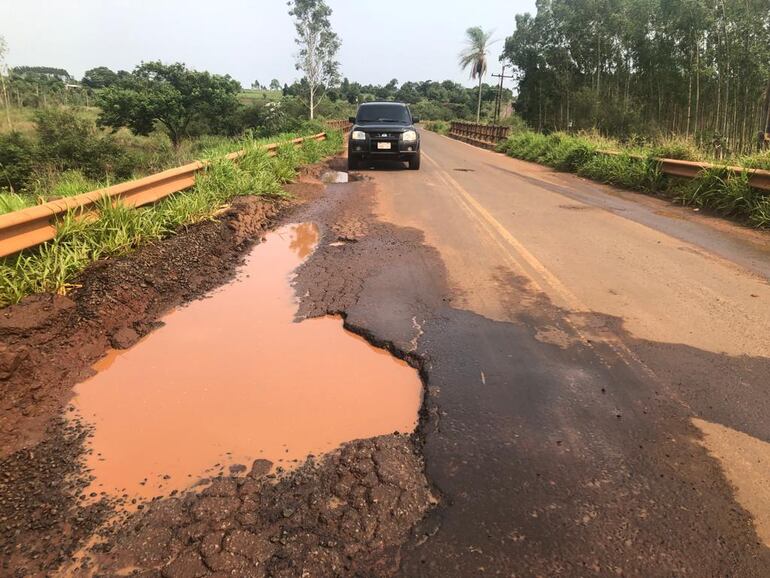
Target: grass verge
[718, 190]
[52, 266]
[439, 126]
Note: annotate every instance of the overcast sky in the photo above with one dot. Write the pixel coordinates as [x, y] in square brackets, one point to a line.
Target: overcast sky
[251, 39]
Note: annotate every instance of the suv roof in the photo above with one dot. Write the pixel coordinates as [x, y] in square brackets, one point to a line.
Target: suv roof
[381, 102]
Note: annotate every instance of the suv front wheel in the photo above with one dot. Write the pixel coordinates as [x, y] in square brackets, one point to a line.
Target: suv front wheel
[414, 163]
[352, 163]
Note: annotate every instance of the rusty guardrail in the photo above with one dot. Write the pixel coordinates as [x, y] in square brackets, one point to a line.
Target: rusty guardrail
[758, 178]
[483, 135]
[34, 225]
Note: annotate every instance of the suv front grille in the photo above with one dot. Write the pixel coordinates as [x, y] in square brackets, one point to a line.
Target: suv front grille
[382, 136]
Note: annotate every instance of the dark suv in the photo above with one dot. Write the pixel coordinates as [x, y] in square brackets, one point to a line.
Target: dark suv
[384, 131]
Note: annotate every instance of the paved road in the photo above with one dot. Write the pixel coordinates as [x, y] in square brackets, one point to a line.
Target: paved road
[598, 375]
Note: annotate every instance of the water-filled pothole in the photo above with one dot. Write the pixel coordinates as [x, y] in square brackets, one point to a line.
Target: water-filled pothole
[335, 177]
[233, 378]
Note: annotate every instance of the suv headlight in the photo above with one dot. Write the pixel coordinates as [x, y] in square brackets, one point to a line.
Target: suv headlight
[409, 136]
[358, 135]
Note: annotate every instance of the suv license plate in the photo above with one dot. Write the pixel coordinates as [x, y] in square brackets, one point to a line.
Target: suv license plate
[383, 146]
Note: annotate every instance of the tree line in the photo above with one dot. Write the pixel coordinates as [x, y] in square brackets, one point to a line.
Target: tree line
[429, 99]
[699, 68]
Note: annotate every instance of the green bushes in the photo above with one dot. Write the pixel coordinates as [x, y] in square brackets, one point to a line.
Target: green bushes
[68, 141]
[439, 126]
[726, 193]
[675, 148]
[557, 150]
[631, 172]
[718, 190]
[568, 153]
[65, 141]
[527, 145]
[118, 229]
[17, 157]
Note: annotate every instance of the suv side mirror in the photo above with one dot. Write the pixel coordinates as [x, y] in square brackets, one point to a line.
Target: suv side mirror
[415, 119]
[352, 120]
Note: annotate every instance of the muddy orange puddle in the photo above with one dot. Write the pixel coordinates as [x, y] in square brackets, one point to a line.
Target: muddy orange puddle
[232, 378]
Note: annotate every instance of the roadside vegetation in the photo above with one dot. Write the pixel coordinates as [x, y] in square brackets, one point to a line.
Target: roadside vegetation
[650, 68]
[118, 229]
[439, 126]
[67, 154]
[634, 167]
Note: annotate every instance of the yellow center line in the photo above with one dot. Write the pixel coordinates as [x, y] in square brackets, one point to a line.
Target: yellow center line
[517, 249]
[569, 298]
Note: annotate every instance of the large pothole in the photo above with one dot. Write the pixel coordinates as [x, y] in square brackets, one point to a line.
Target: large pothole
[234, 378]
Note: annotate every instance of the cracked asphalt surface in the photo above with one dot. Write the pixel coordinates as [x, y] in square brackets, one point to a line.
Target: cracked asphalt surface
[595, 366]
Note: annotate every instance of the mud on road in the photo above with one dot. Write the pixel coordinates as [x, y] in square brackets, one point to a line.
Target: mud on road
[345, 513]
[540, 449]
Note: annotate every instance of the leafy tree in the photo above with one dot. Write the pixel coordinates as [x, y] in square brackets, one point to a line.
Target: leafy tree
[172, 95]
[318, 47]
[275, 84]
[99, 77]
[432, 100]
[475, 57]
[49, 72]
[699, 68]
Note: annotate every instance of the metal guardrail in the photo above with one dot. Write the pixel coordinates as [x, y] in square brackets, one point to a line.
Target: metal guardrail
[758, 178]
[488, 136]
[34, 225]
[483, 135]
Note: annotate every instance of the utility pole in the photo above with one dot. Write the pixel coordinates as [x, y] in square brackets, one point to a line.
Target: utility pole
[499, 101]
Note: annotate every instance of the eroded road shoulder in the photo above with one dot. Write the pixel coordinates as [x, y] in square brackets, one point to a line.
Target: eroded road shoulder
[343, 513]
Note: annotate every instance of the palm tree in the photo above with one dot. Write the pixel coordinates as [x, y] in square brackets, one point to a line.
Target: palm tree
[475, 56]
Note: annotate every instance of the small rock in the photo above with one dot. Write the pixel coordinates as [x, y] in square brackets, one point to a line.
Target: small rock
[124, 338]
[260, 468]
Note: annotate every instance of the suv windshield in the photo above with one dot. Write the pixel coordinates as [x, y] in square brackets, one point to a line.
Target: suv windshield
[384, 113]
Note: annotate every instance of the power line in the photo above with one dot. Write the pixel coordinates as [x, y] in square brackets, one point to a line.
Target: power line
[499, 100]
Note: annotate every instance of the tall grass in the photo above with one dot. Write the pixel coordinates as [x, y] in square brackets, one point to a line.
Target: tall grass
[10, 202]
[624, 170]
[757, 161]
[118, 229]
[719, 190]
[439, 126]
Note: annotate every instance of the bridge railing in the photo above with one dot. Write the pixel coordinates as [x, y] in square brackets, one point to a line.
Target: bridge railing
[343, 125]
[483, 135]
